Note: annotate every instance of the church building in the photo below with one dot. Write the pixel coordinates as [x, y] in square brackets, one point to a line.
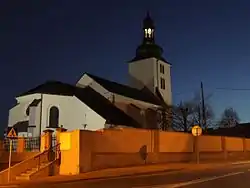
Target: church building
[95, 103]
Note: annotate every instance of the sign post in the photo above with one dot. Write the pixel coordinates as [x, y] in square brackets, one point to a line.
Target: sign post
[11, 135]
[197, 131]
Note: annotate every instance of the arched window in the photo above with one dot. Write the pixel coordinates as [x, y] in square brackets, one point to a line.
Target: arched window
[54, 117]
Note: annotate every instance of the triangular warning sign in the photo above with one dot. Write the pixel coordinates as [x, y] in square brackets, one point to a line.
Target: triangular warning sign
[12, 133]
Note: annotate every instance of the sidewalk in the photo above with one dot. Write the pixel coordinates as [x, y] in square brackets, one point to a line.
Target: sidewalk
[128, 171]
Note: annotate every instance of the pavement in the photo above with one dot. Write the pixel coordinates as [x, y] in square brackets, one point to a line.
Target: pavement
[157, 176]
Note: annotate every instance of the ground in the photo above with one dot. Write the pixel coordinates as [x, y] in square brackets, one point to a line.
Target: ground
[230, 176]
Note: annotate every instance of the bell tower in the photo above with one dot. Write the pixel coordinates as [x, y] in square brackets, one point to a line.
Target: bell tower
[149, 68]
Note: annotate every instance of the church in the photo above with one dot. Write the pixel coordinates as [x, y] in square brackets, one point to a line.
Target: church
[94, 103]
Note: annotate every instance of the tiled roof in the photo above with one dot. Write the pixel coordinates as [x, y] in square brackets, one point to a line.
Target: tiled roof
[51, 87]
[21, 126]
[104, 107]
[124, 90]
[90, 97]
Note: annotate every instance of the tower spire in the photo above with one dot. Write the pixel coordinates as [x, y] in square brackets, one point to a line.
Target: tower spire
[148, 48]
[148, 29]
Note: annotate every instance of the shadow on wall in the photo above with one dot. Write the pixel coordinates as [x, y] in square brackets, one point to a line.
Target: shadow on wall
[134, 82]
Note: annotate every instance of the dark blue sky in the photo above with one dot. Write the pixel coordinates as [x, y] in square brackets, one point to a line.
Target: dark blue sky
[205, 41]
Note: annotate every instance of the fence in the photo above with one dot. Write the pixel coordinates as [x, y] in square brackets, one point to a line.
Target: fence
[30, 144]
[6, 145]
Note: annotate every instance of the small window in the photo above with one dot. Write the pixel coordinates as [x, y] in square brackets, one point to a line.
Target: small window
[162, 69]
[162, 83]
[53, 117]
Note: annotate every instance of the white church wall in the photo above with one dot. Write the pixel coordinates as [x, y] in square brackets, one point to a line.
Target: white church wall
[73, 113]
[28, 98]
[147, 73]
[88, 81]
[141, 73]
[167, 92]
[18, 112]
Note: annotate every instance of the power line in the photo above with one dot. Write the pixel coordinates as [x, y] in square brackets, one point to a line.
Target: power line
[233, 89]
[211, 94]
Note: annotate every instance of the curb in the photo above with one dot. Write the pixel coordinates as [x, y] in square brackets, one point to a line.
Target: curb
[122, 175]
[240, 162]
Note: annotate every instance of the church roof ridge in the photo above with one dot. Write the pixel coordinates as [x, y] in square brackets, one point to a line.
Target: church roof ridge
[125, 90]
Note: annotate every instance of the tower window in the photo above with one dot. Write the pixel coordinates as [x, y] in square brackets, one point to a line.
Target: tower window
[149, 33]
[162, 83]
[53, 117]
[162, 69]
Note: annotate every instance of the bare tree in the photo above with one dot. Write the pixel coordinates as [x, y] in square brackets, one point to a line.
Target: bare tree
[207, 120]
[229, 118]
[189, 113]
[183, 116]
[164, 117]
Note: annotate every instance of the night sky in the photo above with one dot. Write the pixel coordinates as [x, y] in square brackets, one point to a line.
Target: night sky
[206, 40]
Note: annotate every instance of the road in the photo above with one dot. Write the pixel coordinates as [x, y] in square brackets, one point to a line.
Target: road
[230, 176]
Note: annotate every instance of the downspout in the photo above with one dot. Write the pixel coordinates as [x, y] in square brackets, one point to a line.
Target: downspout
[41, 111]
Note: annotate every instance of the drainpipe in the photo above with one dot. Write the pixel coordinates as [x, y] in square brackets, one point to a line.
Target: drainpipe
[41, 111]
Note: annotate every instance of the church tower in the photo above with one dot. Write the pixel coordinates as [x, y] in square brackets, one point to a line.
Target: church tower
[148, 68]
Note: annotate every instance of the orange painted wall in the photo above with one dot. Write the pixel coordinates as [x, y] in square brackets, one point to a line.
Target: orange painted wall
[176, 142]
[15, 156]
[234, 144]
[210, 143]
[125, 140]
[247, 141]
[70, 158]
[121, 147]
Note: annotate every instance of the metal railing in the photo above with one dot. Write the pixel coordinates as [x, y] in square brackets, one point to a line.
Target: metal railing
[32, 143]
[6, 145]
[49, 155]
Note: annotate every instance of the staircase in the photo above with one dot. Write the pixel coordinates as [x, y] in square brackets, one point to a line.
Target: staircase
[41, 165]
[30, 172]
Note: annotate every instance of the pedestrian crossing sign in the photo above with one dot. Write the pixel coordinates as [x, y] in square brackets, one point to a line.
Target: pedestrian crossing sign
[12, 133]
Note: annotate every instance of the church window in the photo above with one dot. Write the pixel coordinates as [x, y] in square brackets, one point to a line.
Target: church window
[162, 83]
[162, 69]
[54, 117]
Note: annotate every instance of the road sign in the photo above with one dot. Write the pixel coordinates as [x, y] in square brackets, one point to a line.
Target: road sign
[196, 130]
[12, 133]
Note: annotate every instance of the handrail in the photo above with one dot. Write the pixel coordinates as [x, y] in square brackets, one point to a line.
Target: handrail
[49, 153]
[34, 161]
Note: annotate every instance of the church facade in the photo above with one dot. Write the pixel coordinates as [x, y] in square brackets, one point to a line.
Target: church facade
[95, 103]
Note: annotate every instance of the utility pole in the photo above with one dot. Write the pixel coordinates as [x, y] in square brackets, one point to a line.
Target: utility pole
[113, 102]
[199, 114]
[203, 108]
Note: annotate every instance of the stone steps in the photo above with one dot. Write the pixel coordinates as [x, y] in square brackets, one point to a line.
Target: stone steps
[26, 175]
